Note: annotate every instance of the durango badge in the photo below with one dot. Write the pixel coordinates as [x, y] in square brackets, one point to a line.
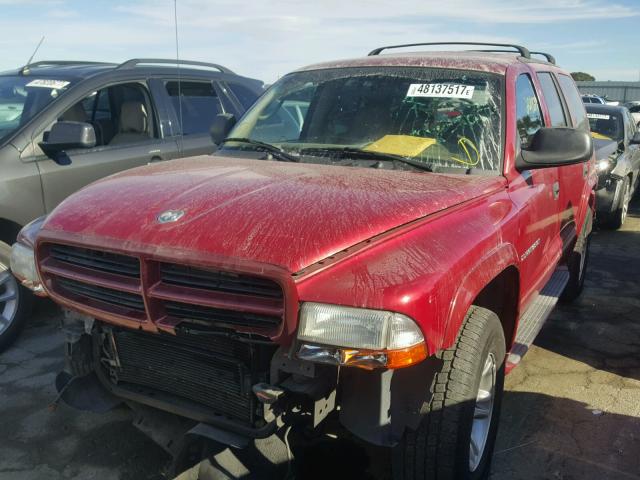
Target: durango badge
[170, 216]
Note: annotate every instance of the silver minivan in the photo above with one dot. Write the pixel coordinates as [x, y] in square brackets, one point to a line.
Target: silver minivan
[65, 124]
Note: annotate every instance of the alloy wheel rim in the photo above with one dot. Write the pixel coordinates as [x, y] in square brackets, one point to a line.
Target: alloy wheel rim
[625, 203]
[8, 299]
[583, 259]
[483, 412]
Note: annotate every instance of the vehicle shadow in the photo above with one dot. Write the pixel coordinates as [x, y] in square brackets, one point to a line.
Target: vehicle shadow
[601, 327]
[540, 437]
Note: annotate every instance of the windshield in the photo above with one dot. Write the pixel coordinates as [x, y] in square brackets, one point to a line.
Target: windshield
[438, 117]
[606, 126]
[22, 98]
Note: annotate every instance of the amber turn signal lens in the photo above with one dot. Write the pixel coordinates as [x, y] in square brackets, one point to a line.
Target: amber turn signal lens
[407, 356]
[366, 359]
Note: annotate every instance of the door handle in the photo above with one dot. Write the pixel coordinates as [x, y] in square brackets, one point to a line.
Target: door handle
[155, 156]
[556, 190]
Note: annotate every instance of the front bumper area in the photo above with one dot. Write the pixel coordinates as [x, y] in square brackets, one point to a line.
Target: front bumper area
[250, 390]
[608, 194]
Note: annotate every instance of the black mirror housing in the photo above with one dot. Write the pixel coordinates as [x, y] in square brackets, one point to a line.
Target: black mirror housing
[221, 127]
[66, 136]
[635, 140]
[554, 147]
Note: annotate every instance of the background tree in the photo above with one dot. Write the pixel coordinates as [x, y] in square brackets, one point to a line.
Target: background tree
[582, 77]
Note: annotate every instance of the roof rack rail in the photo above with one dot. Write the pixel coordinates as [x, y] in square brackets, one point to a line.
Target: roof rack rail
[58, 63]
[550, 58]
[137, 61]
[522, 50]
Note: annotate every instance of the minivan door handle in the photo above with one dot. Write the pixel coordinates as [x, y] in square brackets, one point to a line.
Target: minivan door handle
[556, 190]
[155, 156]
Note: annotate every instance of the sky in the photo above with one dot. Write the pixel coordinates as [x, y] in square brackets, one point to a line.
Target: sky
[266, 39]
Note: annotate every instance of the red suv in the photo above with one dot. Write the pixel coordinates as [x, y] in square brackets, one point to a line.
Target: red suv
[377, 240]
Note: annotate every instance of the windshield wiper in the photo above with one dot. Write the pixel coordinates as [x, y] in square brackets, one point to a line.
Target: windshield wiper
[276, 152]
[351, 152]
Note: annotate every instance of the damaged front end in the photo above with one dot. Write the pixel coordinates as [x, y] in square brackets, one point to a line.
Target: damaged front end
[233, 387]
[209, 353]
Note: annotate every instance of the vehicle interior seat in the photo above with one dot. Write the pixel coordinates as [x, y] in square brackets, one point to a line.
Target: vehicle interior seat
[133, 125]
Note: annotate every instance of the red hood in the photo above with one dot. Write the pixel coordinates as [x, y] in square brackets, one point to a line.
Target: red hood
[289, 215]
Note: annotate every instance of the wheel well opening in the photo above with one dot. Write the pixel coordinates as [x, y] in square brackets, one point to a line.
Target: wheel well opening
[501, 297]
[8, 231]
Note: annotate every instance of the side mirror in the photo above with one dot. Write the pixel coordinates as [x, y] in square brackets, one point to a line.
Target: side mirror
[553, 147]
[66, 136]
[221, 127]
[635, 140]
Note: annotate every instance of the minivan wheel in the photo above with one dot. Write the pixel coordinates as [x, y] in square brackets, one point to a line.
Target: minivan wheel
[15, 307]
[456, 436]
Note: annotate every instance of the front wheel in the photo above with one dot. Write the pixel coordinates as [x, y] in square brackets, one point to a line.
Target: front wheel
[15, 307]
[15, 303]
[577, 270]
[457, 433]
[619, 216]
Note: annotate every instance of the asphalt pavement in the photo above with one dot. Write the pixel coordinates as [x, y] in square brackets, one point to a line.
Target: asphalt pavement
[571, 409]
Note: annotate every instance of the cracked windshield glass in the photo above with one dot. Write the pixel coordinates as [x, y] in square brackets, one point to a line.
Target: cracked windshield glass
[442, 120]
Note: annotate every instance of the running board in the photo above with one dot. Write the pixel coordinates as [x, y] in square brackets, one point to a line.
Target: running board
[533, 319]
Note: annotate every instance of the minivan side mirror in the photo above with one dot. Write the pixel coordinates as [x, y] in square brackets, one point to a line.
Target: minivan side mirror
[553, 147]
[66, 136]
[635, 140]
[221, 127]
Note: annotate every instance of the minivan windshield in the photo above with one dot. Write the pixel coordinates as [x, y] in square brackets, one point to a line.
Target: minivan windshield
[23, 97]
[429, 117]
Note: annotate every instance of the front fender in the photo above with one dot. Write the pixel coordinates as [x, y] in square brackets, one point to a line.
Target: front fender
[488, 268]
[425, 272]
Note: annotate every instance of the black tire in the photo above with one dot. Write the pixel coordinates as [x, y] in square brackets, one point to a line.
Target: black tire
[22, 301]
[440, 448]
[25, 306]
[578, 264]
[616, 219]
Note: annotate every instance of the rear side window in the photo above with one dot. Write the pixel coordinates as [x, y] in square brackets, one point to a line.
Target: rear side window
[574, 102]
[528, 115]
[552, 98]
[199, 103]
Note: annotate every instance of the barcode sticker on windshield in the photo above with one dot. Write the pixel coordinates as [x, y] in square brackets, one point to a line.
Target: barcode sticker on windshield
[599, 116]
[441, 90]
[48, 83]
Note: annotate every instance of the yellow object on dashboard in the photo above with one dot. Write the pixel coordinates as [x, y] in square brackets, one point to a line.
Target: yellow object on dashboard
[599, 136]
[404, 145]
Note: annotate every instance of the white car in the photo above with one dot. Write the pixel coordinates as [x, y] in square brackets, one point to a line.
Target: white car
[591, 98]
[634, 108]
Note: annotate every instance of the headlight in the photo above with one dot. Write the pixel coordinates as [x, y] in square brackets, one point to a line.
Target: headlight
[359, 337]
[604, 165]
[23, 260]
[29, 232]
